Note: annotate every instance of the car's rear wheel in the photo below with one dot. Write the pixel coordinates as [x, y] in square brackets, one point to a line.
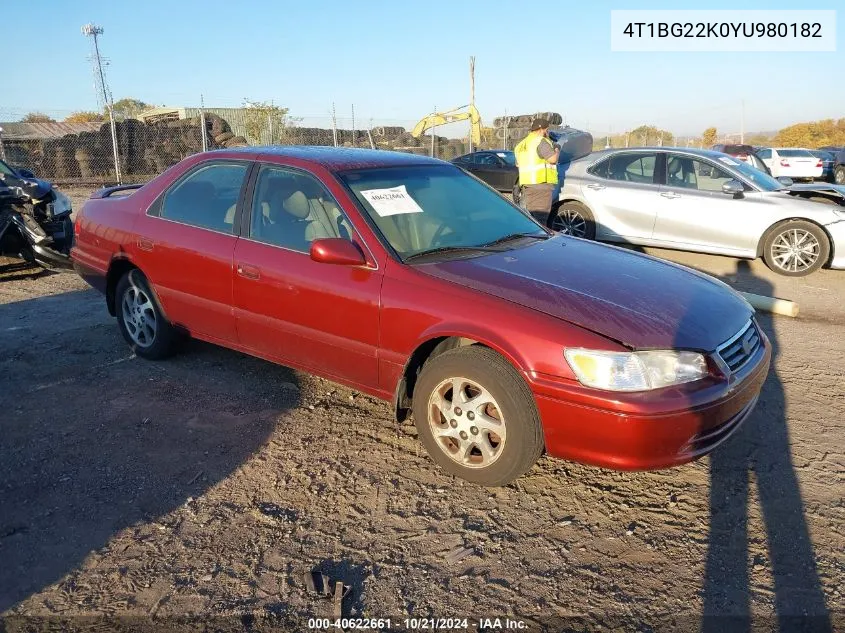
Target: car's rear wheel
[573, 218]
[477, 417]
[839, 175]
[141, 320]
[796, 248]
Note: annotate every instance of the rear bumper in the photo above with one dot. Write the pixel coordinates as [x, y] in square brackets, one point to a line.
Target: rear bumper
[651, 431]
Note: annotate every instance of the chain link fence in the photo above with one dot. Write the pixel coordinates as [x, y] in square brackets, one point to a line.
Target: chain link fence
[65, 151]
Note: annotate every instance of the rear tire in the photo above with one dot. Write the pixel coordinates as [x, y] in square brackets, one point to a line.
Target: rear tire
[572, 218]
[492, 434]
[839, 175]
[141, 320]
[796, 248]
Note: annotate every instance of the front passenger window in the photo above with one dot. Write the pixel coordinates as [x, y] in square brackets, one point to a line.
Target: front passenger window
[291, 209]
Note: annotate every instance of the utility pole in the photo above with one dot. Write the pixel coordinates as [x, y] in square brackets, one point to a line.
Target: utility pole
[471, 96]
[202, 125]
[334, 125]
[353, 125]
[432, 136]
[742, 124]
[103, 93]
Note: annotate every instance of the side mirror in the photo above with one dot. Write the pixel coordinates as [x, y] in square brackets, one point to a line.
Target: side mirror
[733, 188]
[337, 250]
[25, 173]
[786, 181]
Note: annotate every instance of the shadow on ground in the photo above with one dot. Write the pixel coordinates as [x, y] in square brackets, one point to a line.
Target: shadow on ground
[96, 441]
[759, 454]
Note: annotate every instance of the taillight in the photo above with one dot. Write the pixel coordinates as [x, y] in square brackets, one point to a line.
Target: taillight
[819, 164]
[742, 156]
[784, 162]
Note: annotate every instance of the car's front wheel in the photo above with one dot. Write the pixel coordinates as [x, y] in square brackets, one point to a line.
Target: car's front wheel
[796, 248]
[477, 417]
[141, 320]
[839, 175]
[572, 218]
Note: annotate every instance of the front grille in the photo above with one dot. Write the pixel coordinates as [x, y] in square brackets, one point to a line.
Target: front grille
[740, 348]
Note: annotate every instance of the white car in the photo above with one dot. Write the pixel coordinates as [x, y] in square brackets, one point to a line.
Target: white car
[792, 162]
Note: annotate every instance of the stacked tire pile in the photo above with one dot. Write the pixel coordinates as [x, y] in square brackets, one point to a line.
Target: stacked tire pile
[514, 128]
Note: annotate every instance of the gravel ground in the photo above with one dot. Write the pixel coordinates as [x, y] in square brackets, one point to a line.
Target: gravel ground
[208, 484]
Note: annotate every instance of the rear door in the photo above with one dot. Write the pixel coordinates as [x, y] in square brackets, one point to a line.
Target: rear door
[622, 193]
[321, 317]
[186, 242]
[692, 210]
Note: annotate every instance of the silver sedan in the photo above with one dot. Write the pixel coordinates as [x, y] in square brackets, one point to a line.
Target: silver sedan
[697, 200]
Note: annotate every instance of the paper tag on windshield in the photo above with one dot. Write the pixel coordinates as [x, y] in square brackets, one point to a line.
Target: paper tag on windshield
[391, 201]
[728, 161]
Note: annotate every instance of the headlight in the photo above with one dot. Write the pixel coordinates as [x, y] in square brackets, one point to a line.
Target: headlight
[635, 371]
[61, 204]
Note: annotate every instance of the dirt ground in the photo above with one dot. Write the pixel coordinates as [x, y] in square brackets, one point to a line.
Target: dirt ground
[208, 484]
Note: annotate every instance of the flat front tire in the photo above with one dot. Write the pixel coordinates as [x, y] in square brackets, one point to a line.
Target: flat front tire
[476, 416]
[140, 318]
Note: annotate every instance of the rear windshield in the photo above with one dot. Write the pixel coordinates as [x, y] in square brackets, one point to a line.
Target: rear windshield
[795, 153]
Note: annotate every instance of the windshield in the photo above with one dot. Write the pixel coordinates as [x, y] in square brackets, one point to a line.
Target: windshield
[427, 207]
[758, 177]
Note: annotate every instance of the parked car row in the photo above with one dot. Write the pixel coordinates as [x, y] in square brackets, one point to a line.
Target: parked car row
[826, 163]
[411, 280]
[703, 201]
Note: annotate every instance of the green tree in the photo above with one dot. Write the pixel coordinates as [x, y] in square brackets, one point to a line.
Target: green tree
[708, 137]
[128, 108]
[266, 123]
[84, 117]
[38, 117]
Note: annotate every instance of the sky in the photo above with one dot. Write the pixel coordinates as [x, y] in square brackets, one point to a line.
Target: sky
[396, 61]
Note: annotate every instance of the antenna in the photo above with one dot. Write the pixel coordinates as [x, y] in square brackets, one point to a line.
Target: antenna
[101, 89]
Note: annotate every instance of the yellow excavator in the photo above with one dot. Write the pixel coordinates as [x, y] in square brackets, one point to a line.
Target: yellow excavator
[452, 116]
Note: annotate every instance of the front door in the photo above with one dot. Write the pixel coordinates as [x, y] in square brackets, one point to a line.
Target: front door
[693, 210]
[323, 318]
[185, 246]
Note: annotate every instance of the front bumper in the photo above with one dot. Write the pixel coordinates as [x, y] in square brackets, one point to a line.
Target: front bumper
[837, 244]
[648, 431]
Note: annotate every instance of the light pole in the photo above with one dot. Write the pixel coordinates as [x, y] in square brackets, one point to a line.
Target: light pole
[2, 149]
[92, 31]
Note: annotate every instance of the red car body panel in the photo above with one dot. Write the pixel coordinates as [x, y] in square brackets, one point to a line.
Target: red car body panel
[360, 325]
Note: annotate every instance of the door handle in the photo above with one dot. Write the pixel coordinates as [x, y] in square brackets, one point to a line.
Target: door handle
[250, 272]
[669, 194]
[144, 244]
[595, 186]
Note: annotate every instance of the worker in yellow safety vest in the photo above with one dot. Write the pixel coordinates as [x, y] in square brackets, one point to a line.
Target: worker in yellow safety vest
[536, 160]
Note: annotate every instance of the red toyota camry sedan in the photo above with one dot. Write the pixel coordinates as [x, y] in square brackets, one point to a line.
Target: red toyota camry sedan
[408, 279]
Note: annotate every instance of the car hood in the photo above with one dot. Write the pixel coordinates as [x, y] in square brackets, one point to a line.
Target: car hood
[635, 299]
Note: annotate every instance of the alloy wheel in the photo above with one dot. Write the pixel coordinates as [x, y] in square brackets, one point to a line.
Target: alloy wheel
[466, 422]
[795, 250]
[139, 316]
[569, 222]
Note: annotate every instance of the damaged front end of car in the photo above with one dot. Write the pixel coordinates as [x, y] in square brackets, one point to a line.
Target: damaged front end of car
[35, 223]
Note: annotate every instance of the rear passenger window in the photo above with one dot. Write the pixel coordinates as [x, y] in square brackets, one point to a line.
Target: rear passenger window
[207, 198]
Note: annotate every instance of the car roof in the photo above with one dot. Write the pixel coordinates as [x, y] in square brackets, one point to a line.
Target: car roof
[707, 153]
[336, 158]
